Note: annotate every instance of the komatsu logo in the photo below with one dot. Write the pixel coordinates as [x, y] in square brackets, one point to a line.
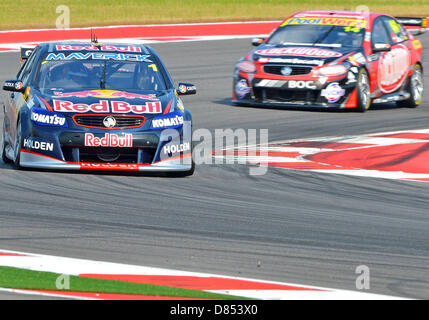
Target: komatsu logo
[173, 120]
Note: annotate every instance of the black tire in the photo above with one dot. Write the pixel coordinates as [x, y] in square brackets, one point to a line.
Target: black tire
[17, 146]
[414, 88]
[363, 91]
[3, 147]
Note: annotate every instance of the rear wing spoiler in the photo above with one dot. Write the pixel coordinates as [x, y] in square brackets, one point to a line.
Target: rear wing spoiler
[26, 53]
[414, 25]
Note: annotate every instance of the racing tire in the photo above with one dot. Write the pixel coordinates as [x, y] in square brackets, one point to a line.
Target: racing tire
[3, 147]
[363, 91]
[17, 146]
[414, 88]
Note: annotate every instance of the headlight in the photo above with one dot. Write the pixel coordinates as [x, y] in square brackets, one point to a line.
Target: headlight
[246, 66]
[44, 117]
[332, 71]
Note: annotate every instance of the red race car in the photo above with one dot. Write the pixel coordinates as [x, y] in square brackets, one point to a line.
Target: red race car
[334, 59]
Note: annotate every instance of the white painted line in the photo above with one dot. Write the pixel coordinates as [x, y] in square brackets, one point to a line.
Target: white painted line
[72, 266]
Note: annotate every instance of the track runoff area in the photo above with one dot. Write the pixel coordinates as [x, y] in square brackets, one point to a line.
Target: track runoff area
[366, 155]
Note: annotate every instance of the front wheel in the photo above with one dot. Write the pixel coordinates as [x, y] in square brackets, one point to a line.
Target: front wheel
[363, 91]
[4, 145]
[17, 146]
[414, 88]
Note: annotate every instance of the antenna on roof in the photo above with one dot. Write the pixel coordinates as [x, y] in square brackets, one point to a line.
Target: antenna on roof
[93, 37]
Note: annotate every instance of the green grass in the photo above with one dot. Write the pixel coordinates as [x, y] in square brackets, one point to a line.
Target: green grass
[21, 14]
[28, 279]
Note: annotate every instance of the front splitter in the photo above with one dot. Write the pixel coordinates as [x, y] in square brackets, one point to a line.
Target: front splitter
[31, 159]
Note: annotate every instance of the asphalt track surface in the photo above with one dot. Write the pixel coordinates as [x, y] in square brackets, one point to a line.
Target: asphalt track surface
[290, 226]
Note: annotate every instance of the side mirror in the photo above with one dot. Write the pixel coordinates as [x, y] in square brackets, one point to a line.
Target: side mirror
[257, 41]
[186, 89]
[14, 86]
[380, 47]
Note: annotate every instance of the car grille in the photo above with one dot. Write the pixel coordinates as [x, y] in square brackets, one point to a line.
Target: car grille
[110, 155]
[296, 70]
[96, 121]
[288, 96]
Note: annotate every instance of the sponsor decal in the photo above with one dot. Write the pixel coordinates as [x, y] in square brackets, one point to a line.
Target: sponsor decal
[98, 48]
[10, 84]
[44, 117]
[393, 68]
[38, 145]
[105, 106]
[246, 66]
[357, 59]
[18, 85]
[316, 62]
[105, 94]
[299, 51]
[331, 21]
[109, 166]
[242, 89]
[109, 140]
[172, 120]
[98, 56]
[184, 88]
[416, 44]
[180, 105]
[175, 148]
[293, 84]
[333, 92]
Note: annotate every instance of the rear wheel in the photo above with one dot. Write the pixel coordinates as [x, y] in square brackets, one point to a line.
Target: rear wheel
[363, 91]
[414, 88]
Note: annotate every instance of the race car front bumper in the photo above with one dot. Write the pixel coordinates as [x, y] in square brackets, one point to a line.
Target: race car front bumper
[314, 93]
[82, 149]
[31, 159]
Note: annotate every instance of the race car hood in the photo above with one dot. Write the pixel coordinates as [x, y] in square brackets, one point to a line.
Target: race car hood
[315, 55]
[118, 102]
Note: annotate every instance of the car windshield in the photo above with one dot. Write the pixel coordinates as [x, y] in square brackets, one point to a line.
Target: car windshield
[90, 74]
[319, 35]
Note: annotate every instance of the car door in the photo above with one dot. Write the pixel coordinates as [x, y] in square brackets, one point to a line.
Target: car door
[16, 100]
[393, 64]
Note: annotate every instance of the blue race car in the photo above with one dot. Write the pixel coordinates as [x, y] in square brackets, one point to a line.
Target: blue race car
[91, 106]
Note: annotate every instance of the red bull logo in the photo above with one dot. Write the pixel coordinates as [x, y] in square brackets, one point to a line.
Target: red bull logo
[69, 47]
[105, 106]
[109, 140]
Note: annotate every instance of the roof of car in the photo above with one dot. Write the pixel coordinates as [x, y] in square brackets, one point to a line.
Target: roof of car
[335, 13]
[91, 46]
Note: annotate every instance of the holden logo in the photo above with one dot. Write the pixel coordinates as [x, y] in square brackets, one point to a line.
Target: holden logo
[286, 71]
[109, 122]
